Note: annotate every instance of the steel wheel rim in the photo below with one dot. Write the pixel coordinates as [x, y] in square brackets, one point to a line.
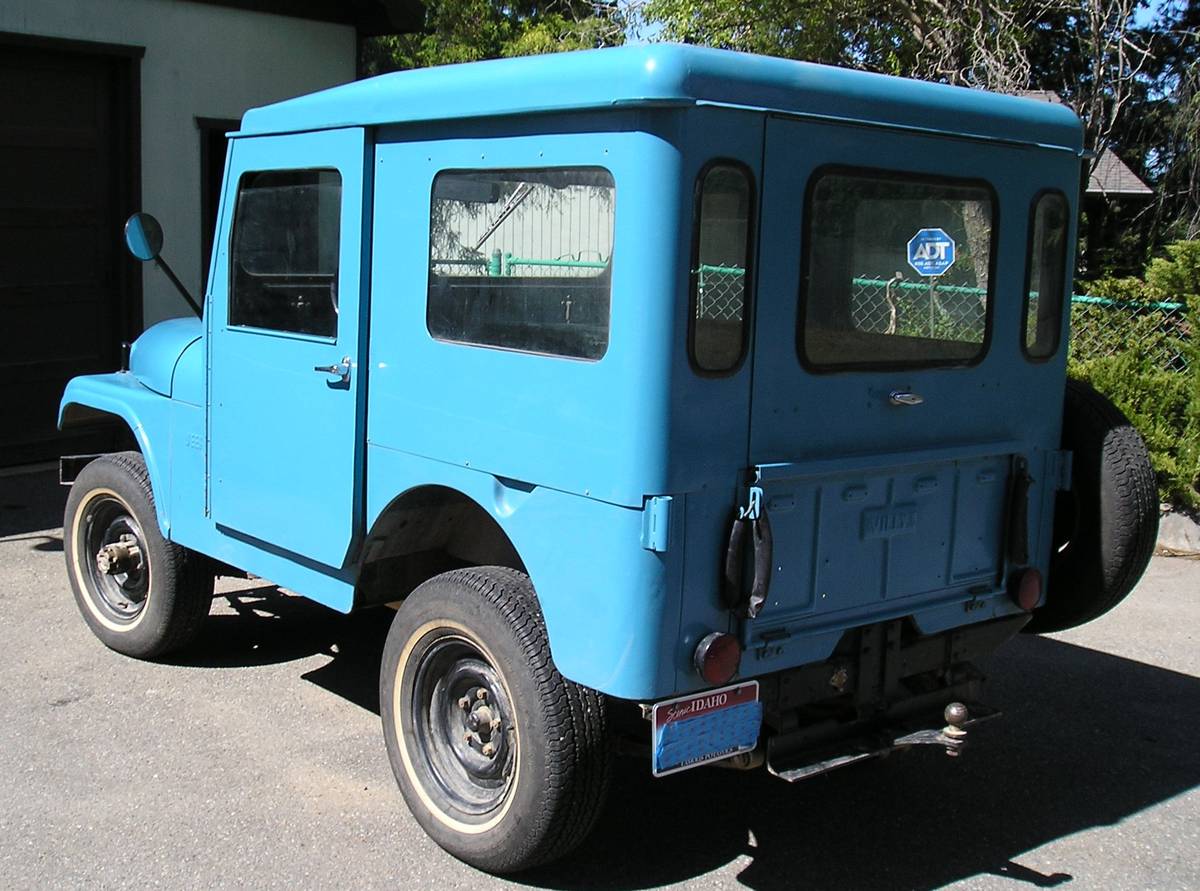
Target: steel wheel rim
[121, 594]
[459, 707]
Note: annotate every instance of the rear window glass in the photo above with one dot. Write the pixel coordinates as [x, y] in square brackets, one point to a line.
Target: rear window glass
[522, 259]
[719, 271]
[897, 271]
[284, 266]
[1047, 272]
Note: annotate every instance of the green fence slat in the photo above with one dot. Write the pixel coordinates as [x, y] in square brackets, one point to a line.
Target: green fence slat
[1125, 304]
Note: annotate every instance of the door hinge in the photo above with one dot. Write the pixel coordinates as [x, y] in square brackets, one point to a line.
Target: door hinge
[656, 523]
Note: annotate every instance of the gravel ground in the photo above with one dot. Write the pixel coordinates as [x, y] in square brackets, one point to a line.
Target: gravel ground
[256, 760]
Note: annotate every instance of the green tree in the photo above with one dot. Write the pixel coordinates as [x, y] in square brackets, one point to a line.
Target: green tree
[471, 30]
[971, 43]
[1176, 154]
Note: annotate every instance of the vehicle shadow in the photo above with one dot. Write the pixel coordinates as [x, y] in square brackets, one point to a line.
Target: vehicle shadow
[258, 625]
[33, 502]
[1087, 740]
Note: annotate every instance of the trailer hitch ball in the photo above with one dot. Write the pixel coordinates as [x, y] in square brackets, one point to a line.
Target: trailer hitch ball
[956, 716]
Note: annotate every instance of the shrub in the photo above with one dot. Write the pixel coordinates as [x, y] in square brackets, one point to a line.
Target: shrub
[1126, 362]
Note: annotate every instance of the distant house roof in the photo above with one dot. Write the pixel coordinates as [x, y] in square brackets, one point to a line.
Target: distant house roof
[1110, 176]
[369, 17]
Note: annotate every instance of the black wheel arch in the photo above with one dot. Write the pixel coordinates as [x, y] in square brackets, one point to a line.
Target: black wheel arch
[423, 532]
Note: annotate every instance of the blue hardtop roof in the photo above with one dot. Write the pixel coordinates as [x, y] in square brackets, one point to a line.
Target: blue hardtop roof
[667, 74]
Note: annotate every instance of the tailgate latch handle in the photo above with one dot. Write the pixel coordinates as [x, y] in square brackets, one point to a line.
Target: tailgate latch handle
[752, 520]
[905, 397]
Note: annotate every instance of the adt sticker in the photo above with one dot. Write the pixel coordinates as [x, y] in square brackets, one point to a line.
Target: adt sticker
[931, 252]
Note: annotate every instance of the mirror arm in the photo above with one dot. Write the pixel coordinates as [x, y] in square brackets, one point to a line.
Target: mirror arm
[170, 273]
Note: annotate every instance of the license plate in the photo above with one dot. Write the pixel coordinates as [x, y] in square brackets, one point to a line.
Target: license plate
[703, 727]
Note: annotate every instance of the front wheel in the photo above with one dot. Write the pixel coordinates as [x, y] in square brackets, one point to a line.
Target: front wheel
[141, 594]
[502, 761]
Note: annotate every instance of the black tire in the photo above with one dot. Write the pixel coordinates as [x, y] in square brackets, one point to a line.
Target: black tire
[1111, 514]
[539, 791]
[154, 597]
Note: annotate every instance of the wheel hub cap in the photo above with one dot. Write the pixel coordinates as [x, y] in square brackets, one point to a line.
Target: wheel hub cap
[118, 568]
[119, 556]
[480, 721]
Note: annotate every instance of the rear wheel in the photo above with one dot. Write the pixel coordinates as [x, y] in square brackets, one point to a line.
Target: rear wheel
[502, 761]
[1107, 525]
[140, 594]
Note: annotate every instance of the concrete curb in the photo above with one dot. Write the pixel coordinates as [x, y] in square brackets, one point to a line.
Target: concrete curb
[1178, 535]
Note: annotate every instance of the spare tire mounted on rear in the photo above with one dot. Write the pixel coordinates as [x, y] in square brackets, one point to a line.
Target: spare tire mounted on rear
[1110, 514]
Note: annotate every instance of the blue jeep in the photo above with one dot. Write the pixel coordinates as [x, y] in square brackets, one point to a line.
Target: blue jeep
[708, 402]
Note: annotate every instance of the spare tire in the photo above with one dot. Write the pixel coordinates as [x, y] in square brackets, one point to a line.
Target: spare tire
[1111, 514]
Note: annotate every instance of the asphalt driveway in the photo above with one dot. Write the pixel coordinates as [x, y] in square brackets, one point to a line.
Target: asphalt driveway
[256, 760]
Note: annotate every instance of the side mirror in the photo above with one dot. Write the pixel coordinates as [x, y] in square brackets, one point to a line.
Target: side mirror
[143, 236]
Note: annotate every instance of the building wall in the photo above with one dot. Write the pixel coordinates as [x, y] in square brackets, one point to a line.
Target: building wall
[200, 61]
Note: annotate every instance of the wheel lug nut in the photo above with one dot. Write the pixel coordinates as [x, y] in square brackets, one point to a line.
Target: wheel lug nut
[489, 750]
[481, 694]
[495, 725]
[467, 738]
[464, 703]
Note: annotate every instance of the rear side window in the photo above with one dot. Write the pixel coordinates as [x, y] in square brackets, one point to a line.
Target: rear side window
[720, 267]
[522, 259]
[1047, 273]
[863, 303]
[284, 258]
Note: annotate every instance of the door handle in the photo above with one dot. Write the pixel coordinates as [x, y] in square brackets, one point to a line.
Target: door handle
[342, 369]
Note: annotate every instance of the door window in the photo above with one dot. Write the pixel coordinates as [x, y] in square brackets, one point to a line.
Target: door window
[862, 303]
[284, 258]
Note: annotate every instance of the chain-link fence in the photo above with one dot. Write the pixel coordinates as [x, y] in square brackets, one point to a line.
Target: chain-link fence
[1156, 331]
[942, 308]
[720, 293]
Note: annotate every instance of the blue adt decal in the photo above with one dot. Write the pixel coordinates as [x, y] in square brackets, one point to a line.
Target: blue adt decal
[931, 252]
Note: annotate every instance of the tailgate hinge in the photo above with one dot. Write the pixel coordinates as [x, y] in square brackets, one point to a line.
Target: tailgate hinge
[656, 523]
[753, 508]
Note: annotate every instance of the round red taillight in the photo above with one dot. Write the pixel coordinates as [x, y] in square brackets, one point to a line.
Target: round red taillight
[717, 657]
[1027, 590]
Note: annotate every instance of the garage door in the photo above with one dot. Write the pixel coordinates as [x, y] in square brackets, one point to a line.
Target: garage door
[64, 185]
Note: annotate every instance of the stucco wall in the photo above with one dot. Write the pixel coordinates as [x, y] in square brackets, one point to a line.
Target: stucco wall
[200, 61]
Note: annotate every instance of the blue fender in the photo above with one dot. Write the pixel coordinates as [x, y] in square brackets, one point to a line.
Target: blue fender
[156, 354]
[145, 412]
[611, 607]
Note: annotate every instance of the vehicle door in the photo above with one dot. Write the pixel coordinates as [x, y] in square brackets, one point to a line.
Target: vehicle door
[892, 415]
[286, 334]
